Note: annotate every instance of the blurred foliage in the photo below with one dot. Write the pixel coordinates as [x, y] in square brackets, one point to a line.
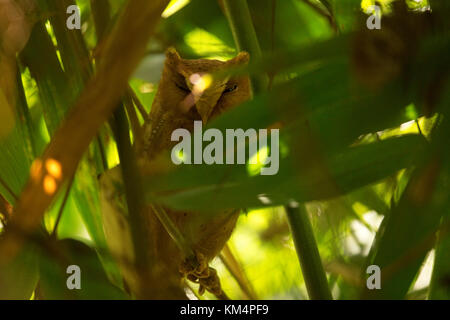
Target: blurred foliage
[364, 117]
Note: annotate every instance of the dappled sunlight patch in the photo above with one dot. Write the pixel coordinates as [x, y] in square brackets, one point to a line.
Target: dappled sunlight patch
[256, 161]
[174, 6]
[201, 82]
[361, 238]
[208, 45]
[271, 267]
[54, 168]
[49, 185]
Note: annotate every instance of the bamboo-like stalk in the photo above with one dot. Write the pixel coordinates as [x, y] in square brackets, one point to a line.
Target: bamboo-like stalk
[62, 207]
[244, 34]
[308, 253]
[327, 14]
[134, 191]
[239, 18]
[101, 11]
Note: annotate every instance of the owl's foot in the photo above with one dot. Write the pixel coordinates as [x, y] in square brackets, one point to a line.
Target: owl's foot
[196, 265]
[196, 269]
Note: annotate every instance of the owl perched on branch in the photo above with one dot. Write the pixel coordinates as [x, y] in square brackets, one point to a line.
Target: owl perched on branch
[187, 92]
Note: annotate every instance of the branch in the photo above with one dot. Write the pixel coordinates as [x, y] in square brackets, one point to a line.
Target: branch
[244, 34]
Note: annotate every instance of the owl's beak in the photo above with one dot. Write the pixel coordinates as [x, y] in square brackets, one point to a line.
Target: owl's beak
[206, 94]
[205, 107]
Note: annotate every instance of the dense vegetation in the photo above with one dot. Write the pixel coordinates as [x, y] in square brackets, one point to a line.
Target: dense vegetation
[364, 159]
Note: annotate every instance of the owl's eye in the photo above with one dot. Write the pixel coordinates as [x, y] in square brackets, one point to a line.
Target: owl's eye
[230, 89]
[181, 87]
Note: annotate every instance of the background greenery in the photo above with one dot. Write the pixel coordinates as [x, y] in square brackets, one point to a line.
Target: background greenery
[364, 154]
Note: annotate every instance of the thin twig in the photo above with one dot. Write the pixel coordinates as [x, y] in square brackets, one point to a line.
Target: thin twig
[134, 195]
[173, 231]
[101, 148]
[326, 14]
[244, 35]
[138, 103]
[61, 208]
[418, 127]
[134, 121]
[235, 269]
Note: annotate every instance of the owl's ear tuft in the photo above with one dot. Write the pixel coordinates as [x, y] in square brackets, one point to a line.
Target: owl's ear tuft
[242, 58]
[172, 56]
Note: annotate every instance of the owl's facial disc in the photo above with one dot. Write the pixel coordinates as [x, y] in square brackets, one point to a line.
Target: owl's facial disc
[193, 80]
[203, 92]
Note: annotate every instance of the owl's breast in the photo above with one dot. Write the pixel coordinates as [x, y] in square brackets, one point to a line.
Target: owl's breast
[206, 232]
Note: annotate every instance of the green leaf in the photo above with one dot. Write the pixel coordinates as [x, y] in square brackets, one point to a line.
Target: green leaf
[14, 164]
[211, 187]
[408, 232]
[53, 273]
[57, 89]
[40, 57]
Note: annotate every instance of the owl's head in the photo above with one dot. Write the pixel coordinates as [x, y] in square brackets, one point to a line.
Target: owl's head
[189, 89]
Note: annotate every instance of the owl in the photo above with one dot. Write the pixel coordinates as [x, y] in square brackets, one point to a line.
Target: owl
[187, 92]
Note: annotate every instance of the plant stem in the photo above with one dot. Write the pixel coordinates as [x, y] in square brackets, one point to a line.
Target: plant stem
[61, 208]
[133, 188]
[308, 254]
[138, 103]
[328, 14]
[130, 172]
[234, 267]
[244, 34]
